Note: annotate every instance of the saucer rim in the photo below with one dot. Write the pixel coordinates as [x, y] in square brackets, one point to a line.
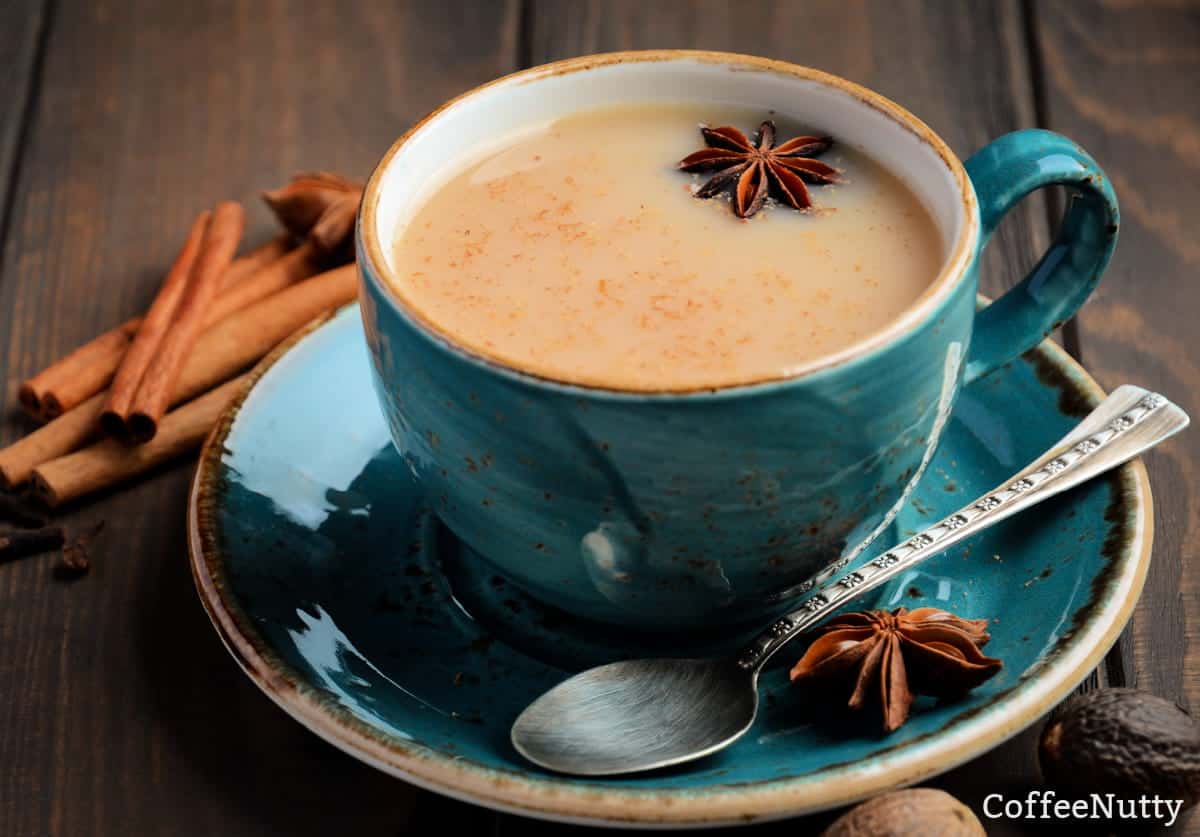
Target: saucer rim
[547, 796]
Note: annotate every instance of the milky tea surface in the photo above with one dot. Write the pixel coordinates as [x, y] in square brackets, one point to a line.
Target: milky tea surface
[577, 251]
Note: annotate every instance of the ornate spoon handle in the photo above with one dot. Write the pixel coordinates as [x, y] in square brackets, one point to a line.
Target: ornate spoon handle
[1125, 424]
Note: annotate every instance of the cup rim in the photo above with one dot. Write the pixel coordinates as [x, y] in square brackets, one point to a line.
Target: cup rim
[374, 265]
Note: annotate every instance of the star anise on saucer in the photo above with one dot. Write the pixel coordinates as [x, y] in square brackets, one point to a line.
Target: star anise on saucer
[755, 169]
[889, 657]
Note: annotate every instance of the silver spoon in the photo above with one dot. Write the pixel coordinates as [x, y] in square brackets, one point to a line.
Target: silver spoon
[644, 714]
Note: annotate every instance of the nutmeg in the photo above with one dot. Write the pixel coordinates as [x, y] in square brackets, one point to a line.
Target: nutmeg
[1125, 742]
[916, 812]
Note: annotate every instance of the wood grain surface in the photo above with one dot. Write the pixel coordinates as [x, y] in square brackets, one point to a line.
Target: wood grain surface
[1121, 78]
[22, 27]
[121, 713]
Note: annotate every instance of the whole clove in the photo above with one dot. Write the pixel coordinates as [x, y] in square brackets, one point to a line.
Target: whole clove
[19, 511]
[21, 543]
[76, 555]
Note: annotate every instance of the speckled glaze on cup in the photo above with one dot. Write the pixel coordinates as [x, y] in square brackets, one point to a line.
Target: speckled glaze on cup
[676, 509]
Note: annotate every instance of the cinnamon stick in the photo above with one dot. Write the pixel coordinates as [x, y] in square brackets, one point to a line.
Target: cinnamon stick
[161, 375]
[299, 264]
[293, 267]
[53, 387]
[110, 462]
[89, 368]
[153, 330]
[244, 267]
[223, 351]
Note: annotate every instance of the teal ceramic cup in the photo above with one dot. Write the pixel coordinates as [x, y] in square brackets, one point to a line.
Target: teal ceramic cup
[671, 510]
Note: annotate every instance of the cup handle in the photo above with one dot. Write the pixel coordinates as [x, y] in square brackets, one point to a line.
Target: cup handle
[1003, 173]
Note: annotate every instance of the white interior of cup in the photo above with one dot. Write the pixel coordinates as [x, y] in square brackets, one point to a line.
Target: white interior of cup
[488, 118]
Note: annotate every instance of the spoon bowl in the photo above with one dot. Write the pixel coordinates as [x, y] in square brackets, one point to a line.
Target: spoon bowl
[675, 709]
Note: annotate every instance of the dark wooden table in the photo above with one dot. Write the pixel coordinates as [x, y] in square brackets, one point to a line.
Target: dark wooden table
[120, 713]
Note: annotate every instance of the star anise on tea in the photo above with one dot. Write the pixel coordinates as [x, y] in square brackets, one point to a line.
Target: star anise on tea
[885, 659]
[755, 169]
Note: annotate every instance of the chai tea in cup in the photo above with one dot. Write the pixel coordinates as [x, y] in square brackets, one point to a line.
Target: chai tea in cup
[579, 250]
[647, 397]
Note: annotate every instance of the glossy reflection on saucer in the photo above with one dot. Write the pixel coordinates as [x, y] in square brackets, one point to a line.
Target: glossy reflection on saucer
[327, 578]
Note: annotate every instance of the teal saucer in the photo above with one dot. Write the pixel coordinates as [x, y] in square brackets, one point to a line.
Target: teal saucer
[347, 603]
